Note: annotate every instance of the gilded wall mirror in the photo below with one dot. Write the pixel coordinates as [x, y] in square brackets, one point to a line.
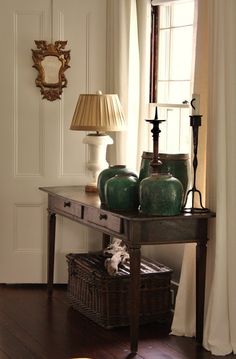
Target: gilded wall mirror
[51, 61]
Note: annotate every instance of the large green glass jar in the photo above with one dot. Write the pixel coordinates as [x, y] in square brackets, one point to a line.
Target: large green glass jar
[161, 195]
[176, 164]
[122, 192]
[145, 169]
[106, 175]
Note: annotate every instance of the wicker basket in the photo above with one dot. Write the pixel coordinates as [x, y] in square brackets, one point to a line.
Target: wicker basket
[105, 299]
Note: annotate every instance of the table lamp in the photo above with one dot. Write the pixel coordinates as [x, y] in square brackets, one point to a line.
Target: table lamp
[99, 113]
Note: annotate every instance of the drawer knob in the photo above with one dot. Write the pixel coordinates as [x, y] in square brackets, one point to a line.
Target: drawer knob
[67, 204]
[103, 216]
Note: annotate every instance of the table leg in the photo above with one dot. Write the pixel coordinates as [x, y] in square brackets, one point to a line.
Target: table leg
[201, 252]
[135, 258]
[51, 249]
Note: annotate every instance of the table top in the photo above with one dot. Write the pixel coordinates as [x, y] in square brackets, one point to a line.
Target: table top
[78, 194]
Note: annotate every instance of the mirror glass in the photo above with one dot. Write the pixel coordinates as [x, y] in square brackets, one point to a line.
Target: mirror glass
[51, 66]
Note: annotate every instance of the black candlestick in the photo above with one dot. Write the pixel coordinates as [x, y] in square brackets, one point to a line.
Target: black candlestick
[155, 163]
[195, 122]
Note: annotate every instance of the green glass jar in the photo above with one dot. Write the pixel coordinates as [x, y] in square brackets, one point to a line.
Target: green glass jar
[122, 192]
[176, 164]
[161, 195]
[145, 169]
[106, 175]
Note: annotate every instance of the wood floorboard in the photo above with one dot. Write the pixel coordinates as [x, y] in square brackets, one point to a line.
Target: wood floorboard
[33, 327]
[3, 355]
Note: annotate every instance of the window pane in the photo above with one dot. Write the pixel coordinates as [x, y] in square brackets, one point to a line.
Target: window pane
[163, 54]
[162, 115]
[175, 131]
[163, 92]
[170, 135]
[164, 17]
[173, 91]
[180, 53]
[179, 91]
[182, 14]
[185, 131]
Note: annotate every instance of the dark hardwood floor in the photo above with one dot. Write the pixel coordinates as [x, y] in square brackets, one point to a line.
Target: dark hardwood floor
[31, 327]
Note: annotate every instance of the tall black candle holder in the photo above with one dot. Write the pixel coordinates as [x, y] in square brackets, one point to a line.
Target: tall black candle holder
[195, 123]
[155, 163]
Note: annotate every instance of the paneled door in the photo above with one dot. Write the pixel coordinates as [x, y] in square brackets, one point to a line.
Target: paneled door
[36, 146]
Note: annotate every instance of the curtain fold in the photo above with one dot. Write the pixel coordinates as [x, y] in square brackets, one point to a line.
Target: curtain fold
[220, 83]
[220, 327]
[128, 74]
[184, 317]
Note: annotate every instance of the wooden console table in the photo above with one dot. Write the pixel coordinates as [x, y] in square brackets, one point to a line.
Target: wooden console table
[135, 229]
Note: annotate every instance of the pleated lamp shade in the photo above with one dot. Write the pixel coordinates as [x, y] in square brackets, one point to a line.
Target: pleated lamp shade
[98, 112]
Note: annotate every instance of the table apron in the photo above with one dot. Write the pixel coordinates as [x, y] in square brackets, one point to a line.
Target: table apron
[167, 231]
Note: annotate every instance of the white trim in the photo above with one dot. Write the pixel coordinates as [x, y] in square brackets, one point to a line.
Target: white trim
[170, 105]
[166, 2]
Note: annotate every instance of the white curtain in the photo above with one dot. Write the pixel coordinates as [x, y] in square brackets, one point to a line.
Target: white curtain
[220, 330]
[184, 321]
[220, 309]
[128, 75]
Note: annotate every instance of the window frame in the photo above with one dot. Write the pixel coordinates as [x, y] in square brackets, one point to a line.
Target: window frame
[154, 53]
[154, 49]
[184, 146]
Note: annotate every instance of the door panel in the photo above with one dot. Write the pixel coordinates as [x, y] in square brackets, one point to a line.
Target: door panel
[36, 146]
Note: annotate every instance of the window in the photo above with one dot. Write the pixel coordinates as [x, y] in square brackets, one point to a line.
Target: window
[171, 70]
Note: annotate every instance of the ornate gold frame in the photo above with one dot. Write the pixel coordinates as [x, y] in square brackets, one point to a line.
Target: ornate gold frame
[51, 61]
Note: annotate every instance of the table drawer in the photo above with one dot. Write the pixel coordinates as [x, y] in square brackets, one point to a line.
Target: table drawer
[103, 219]
[66, 206]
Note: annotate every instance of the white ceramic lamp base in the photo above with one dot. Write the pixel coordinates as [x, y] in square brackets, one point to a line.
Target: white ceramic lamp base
[97, 147]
